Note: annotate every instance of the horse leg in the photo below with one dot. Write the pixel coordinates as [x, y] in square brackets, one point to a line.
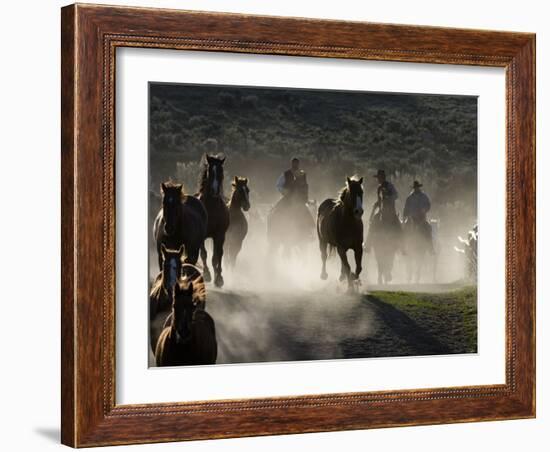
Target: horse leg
[420, 266]
[407, 260]
[358, 253]
[383, 269]
[416, 268]
[343, 274]
[346, 269]
[217, 256]
[389, 267]
[236, 252]
[378, 267]
[230, 259]
[205, 270]
[323, 247]
[230, 253]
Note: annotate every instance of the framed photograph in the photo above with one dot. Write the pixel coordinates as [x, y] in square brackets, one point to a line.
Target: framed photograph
[281, 225]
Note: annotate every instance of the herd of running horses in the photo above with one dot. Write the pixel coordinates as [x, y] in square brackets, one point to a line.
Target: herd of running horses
[181, 331]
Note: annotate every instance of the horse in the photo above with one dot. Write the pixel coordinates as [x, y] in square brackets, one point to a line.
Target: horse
[340, 226]
[418, 246]
[290, 224]
[385, 237]
[238, 225]
[189, 335]
[166, 279]
[211, 195]
[182, 220]
[160, 296]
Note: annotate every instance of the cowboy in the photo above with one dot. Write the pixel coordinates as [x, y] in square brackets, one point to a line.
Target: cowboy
[291, 178]
[385, 191]
[416, 208]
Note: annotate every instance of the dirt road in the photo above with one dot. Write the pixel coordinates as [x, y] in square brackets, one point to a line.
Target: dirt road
[323, 325]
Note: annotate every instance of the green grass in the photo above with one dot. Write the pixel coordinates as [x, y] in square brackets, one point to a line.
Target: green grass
[449, 316]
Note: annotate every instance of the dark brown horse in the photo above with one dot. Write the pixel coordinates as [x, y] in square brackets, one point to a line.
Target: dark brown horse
[238, 225]
[189, 337]
[160, 296]
[417, 240]
[182, 220]
[339, 225]
[385, 236]
[290, 225]
[211, 195]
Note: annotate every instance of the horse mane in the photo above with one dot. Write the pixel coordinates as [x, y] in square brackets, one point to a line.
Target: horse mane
[231, 196]
[234, 189]
[342, 193]
[157, 287]
[203, 176]
[193, 275]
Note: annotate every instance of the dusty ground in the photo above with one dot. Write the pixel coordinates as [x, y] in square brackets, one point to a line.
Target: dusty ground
[323, 325]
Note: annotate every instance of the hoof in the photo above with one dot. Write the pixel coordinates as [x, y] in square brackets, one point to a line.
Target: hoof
[342, 277]
[206, 275]
[218, 281]
[324, 275]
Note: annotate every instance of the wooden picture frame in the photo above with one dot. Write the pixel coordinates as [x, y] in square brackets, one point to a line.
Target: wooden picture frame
[90, 36]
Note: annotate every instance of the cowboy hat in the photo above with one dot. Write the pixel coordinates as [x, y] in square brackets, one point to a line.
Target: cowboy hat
[380, 173]
[416, 184]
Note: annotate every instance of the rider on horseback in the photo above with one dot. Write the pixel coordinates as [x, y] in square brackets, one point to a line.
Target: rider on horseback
[416, 208]
[291, 179]
[290, 222]
[386, 191]
[384, 208]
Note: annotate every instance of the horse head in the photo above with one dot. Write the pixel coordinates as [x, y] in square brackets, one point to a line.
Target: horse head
[171, 203]
[241, 193]
[183, 310]
[171, 266]
[353, 196]
[213, 176]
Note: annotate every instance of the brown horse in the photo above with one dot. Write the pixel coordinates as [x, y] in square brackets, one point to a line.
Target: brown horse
[238, 226]
[182, 220]
[418, 245]
[211, 195]
[339, 225]
[384, 236]
[189, 336]
[160, 296]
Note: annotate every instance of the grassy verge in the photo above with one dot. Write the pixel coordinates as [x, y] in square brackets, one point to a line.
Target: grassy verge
[451, 317]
